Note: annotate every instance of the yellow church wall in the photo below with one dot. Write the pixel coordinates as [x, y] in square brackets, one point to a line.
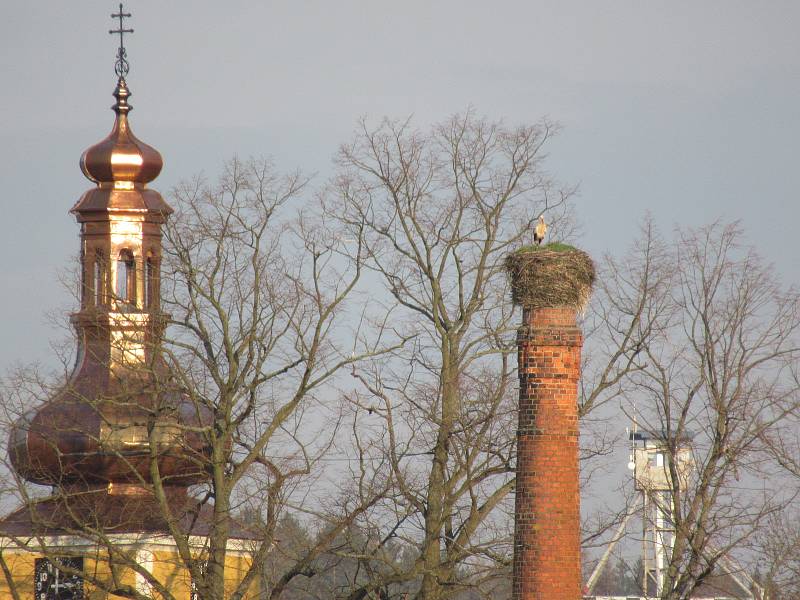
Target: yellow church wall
[21, 566]
[165, 565]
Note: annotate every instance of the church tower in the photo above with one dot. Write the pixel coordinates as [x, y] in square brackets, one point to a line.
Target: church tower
[119, 443]
[98, 436]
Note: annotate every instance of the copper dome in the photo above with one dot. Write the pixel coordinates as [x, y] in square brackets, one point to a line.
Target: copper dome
[121, 156]
[78, 440]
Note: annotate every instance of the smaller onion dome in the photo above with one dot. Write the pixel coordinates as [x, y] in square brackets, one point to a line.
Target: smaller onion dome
[121, 156]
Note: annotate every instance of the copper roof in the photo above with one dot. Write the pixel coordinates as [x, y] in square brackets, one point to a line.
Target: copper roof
[96, 509]
[121, 157]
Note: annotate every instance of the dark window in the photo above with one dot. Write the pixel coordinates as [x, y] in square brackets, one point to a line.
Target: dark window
[85, 292]
[99, 278]
[126, 279]
[150, 276]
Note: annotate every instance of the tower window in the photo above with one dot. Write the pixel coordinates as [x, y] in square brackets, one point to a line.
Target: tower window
[84, 291]
[150, 277]
[126, 279]
[99, 278]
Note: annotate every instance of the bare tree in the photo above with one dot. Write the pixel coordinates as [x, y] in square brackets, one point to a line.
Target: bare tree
[440, 210]
[256, 304]
[715, 375]
[625, 313]
[699, 335]
[256, 292]
[777, 548]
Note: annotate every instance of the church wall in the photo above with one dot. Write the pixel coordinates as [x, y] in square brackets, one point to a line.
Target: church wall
[165, 565]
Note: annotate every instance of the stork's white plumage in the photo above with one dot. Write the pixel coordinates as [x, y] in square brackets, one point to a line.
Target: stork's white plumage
[540, 230]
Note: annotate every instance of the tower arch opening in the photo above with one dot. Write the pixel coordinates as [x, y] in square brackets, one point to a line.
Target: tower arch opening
[125, 291]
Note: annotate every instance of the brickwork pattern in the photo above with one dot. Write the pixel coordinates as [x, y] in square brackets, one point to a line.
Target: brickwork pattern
[547, 512]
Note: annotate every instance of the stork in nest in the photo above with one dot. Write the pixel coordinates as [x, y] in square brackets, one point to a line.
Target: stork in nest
[540, 230]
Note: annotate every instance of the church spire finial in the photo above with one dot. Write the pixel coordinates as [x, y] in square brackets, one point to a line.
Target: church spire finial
[121, 159]
[121, 67]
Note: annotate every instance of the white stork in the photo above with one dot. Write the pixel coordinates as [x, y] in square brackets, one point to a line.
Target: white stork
[539, 230]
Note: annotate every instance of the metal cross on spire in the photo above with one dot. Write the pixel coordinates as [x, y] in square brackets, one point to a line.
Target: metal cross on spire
[121, 67]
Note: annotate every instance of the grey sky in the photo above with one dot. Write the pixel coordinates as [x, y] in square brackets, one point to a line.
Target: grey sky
[686, 109]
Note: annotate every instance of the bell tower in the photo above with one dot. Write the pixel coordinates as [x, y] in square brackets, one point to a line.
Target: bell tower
[97, 433]
[119, 430]
[120, 443]
[120, 321]
[119, 318]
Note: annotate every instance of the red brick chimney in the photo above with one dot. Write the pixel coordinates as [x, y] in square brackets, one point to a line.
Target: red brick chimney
[551, 287]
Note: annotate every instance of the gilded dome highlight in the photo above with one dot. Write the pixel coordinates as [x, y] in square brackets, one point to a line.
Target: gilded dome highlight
[121, 157]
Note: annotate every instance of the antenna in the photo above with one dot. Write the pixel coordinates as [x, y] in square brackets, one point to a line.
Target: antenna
[632, 434]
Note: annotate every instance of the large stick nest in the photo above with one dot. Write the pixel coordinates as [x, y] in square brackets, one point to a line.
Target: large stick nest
[542, 277]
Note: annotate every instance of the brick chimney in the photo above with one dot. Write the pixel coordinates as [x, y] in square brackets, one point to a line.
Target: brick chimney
[551, 286]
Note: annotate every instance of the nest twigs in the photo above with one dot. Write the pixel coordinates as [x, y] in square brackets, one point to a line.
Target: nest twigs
[542, 278]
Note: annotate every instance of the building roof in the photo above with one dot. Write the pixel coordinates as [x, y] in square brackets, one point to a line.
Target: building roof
[80, 514]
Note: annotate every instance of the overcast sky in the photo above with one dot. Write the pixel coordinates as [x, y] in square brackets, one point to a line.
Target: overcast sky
[685, 109]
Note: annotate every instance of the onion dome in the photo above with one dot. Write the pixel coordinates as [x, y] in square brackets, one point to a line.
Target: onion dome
[121, 156]
[74, 440]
